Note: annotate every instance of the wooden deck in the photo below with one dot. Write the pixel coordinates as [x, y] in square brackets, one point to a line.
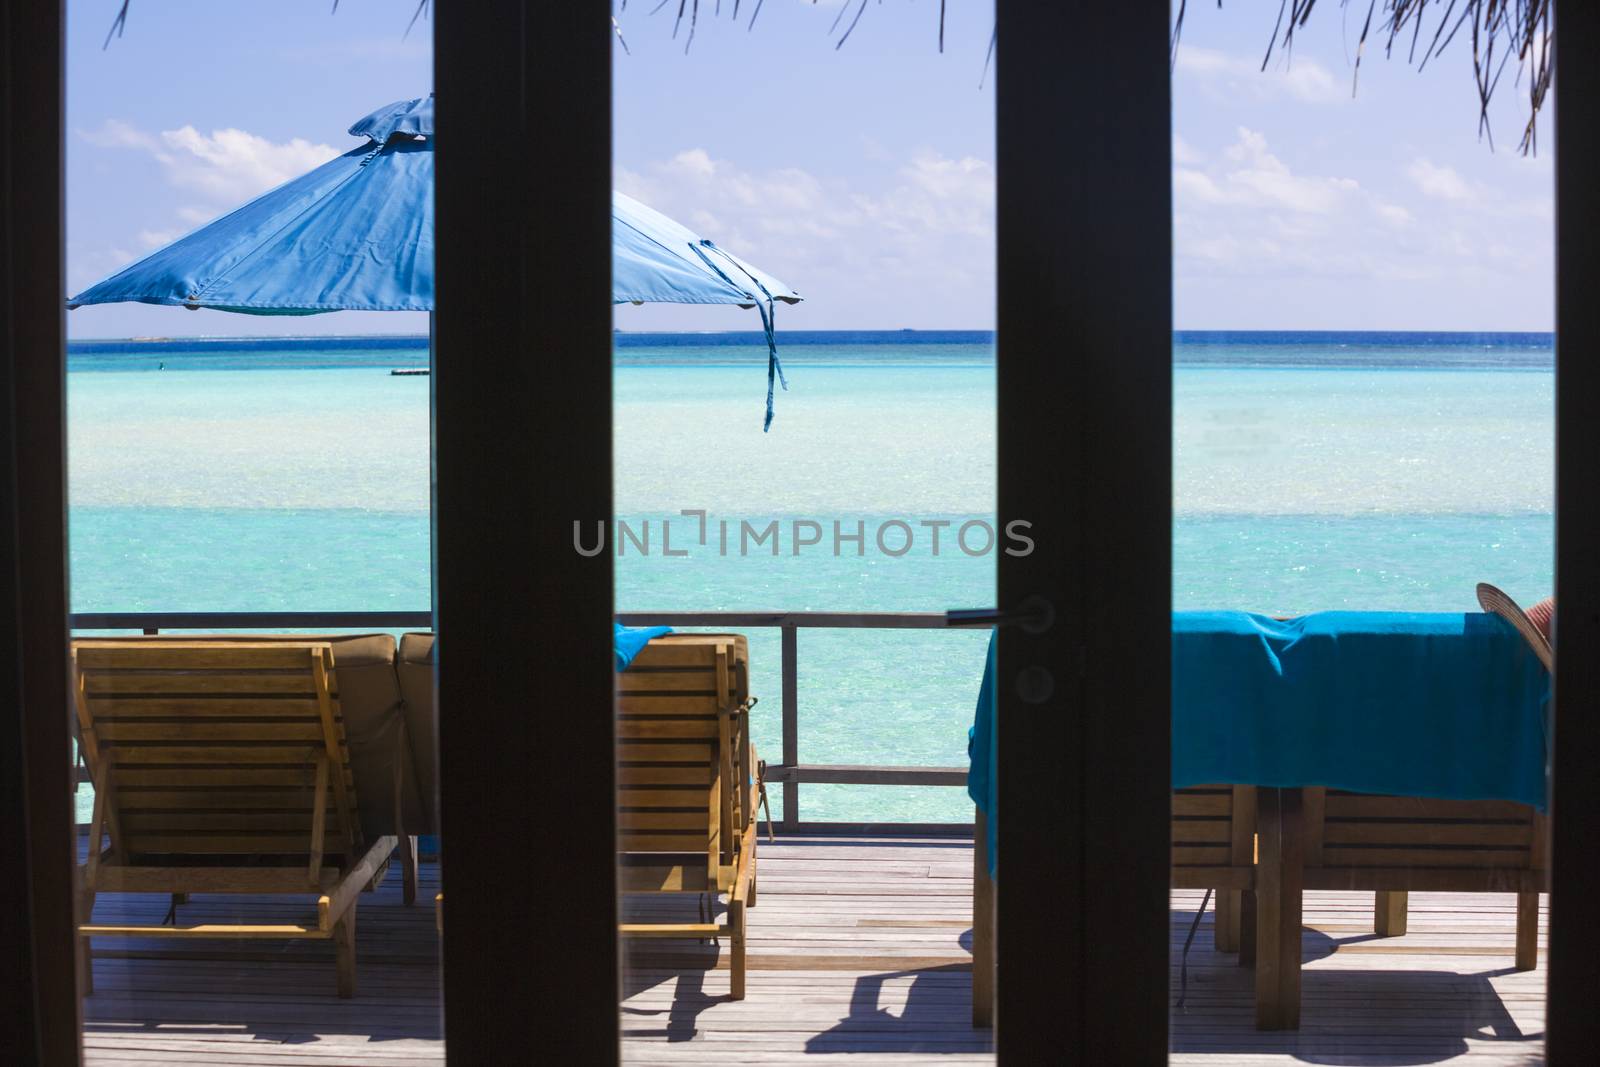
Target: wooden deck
[857, 952]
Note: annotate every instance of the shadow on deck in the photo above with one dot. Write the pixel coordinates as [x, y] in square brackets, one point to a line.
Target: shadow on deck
[858, 950]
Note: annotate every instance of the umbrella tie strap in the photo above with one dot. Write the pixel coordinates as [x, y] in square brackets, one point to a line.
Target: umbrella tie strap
[774, 367]
[768, 318]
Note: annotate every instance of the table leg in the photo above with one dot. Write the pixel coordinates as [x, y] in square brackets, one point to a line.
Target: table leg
[1279, 889]
[982, 927]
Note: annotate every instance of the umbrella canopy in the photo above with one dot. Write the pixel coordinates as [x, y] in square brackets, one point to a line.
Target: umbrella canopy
[356, 234]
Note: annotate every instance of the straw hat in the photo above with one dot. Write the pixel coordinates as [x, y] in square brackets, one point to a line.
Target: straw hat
[1495, 601]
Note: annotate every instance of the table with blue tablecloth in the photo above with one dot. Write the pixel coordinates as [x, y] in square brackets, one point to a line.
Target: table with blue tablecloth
[1446, 706]
[1429, 705]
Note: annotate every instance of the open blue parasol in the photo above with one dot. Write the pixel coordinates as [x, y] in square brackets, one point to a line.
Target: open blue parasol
[356, 234]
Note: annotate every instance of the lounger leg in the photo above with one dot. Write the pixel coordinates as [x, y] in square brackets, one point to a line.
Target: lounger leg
[344, 949]
[982, 928]
[750, 902]
[1389, 912]
[1527, 931]
[1226, 930]
[408, 869]
[736, 955]
[86, 956]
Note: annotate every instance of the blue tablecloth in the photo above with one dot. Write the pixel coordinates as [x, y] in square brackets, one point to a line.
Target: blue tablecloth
[1433, 705]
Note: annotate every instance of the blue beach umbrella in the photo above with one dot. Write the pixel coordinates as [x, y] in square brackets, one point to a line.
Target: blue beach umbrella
[356, 234]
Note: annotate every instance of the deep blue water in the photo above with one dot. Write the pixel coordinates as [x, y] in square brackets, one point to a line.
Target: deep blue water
[1243, 348]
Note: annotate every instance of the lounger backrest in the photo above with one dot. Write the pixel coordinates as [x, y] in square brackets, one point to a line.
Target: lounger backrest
[678, 708]
[414, 667]
[216, 748]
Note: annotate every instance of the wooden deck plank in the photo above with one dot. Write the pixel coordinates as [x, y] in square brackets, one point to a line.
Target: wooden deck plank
[858, 950]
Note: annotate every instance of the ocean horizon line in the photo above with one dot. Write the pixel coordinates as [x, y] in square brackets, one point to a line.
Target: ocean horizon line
[903, 336]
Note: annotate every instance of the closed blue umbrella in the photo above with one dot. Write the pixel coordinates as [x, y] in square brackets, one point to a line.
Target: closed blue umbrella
[356, 234]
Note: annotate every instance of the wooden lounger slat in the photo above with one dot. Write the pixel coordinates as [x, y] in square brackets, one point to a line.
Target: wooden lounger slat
[1207, 804]
[661, 820]
[665, 798]
[675, 704]
[180, 777]
[199, 656]
[1201, 855]
[293, 798]
[214, 755]
[1203, 832]
[1417, 857]
[236, 842]
[1398, 834]
[203, 730]
[677, 729]
[669, 929]
[208, 930]
[657, 841]
[136, 822]
[671, 752]
[662, 774]
[1360, 805]
[668, 682]
[201, 683]
[683, 650]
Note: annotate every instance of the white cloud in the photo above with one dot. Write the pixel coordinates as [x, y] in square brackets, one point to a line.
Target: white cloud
[1183, 152]
[157, 238]
[1393, 214]
[1250, 214]
[1219, 72]
[918, 231]
[1259, 178]
[226, 167]
[1439, 181]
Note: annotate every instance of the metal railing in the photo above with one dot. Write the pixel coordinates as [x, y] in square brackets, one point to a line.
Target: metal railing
[789, 773]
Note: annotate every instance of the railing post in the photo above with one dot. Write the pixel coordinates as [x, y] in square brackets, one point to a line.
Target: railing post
[791, 725]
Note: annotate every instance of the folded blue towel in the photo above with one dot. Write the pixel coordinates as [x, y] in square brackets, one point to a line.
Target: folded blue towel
[628, 641]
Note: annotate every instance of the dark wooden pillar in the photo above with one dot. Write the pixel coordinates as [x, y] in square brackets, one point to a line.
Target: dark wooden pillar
[1084, 412]
[522, 431]
[1574, 1025]
[39, 1020]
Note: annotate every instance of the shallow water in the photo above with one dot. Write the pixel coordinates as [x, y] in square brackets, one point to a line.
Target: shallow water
[260, 481]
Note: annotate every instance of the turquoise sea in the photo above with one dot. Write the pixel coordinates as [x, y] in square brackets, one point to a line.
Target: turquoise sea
[1312, 471]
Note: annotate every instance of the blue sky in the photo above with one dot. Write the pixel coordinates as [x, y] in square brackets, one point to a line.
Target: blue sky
[864, 177]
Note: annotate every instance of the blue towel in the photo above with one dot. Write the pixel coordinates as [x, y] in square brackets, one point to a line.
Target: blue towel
[628, 641]
[1429, 705]
[981, 753]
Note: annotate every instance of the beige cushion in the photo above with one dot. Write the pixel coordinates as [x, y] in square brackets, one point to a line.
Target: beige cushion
[415, 669]
[369, 698]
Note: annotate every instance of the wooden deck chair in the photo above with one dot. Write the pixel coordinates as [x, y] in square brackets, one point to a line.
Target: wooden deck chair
[1213, 847]
[688, 783]
[221, 767]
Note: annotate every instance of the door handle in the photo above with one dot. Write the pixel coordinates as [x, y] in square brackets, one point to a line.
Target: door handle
[1034, 615]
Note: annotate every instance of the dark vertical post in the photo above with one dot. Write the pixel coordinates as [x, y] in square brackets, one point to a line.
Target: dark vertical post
[790, 655]
[522, 432]
[39, 1022]
[1573, 1024]
[1084, 410]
